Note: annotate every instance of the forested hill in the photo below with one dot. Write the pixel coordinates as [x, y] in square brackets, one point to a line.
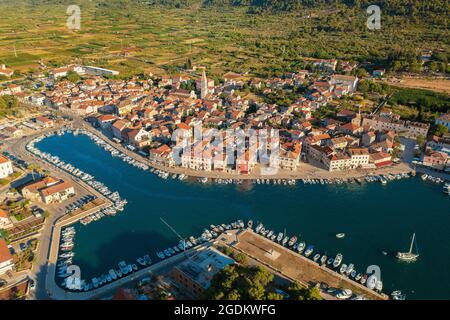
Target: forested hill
[437, 9]
[391, 7]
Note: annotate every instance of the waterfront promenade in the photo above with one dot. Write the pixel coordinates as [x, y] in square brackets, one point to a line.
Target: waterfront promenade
[304, 170]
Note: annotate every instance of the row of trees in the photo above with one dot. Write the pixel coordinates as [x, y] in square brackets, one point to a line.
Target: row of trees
[423, 100]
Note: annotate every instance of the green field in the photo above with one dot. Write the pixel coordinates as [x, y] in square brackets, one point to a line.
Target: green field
[161, 38]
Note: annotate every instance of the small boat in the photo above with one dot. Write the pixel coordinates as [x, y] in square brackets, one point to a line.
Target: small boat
[409, 256]
[316, 257]
[353, 274]
[343, 268]
[113, 274]
[292, 241]
[147, 259]
[250, 224]
[280, 237]
[141, 261]
[285, 240]
[340, 235]
[358, 276]
[379, 286]
[309, 250]
[323, 259]
[350, 268]
[337, 260]
[301, 246]
[397, 295]
[258, 227]
[344, 294]
[363, 279]
[330, 261]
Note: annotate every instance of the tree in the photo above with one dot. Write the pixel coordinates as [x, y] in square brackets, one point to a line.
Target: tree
[240, 282]
[440, 130]
[240, 258]
[73, 77]
[234, 295]
[297, 292]
[274, 296]
[421, 141]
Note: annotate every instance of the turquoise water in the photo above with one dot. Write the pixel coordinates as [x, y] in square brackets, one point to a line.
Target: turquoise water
[374, 218]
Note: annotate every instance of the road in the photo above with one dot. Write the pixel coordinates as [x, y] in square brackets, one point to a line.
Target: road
[39, 270]
[382, 104]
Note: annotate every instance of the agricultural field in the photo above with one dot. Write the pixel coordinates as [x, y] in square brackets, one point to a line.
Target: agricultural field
[134, 37]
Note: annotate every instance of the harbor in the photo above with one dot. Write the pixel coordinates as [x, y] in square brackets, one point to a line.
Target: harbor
[142, 232]
[280, 253]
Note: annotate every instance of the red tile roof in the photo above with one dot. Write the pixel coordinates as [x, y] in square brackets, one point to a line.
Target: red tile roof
[5, 255]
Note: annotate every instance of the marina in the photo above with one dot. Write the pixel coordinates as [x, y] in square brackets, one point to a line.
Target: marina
[139, 231]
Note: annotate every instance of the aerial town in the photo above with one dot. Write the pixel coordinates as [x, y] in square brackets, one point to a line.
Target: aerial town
[224, 150]
[140, 118]
[144, 113]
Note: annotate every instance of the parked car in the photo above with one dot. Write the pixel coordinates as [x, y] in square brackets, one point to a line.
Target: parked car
[32, 284]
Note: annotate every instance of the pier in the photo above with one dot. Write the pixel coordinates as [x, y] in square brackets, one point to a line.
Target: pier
[291, 264]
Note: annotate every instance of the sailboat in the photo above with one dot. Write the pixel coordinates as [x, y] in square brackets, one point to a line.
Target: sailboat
[408, 256]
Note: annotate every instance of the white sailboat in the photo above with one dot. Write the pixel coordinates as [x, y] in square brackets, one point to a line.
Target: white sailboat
[408, 256]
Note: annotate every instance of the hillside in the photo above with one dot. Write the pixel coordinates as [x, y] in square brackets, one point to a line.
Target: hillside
[160, 35]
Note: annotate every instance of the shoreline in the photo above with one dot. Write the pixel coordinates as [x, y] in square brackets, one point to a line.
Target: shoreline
[304, 171]
[58, 235]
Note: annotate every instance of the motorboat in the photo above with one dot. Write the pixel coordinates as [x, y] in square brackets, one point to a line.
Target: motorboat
[301, 247]
[364, 279]
[292, 241]
[337, 260]
[350, 269]
[309, 250]
[280, 236]
[344, 294]
[398, 295]
[141, 261]
[379, 286]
